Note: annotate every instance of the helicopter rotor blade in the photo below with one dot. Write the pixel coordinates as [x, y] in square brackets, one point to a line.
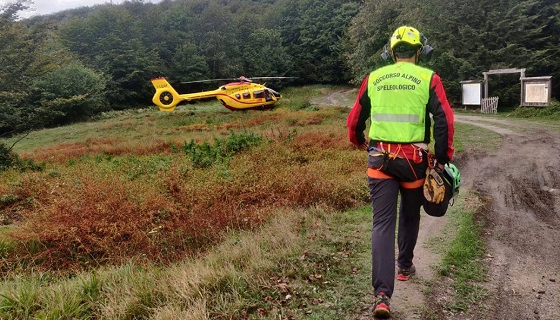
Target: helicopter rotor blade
[242, 78]
[210, 80]
[272, 78]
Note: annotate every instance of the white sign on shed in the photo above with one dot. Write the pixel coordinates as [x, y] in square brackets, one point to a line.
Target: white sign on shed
[535, 91]
[471, 92]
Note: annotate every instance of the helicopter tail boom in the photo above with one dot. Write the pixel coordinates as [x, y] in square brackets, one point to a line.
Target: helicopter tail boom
[167, 98]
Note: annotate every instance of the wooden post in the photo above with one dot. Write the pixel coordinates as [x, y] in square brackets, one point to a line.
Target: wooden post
[485, 84]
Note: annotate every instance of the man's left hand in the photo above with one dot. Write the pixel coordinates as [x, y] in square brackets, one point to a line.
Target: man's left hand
[364, 146]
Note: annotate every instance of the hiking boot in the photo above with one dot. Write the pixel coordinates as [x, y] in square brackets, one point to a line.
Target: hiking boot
[381, 309]
[404, 274]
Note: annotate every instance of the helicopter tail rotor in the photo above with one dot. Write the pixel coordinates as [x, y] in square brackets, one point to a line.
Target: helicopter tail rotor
[166, 98]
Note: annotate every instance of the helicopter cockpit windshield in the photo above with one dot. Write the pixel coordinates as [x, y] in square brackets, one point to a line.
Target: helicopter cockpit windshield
[275, 93]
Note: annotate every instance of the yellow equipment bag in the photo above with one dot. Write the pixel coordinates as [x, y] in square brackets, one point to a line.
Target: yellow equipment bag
[434, 187]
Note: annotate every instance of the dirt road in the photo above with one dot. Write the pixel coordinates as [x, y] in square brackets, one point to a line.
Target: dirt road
[522, 224]
[521, 182]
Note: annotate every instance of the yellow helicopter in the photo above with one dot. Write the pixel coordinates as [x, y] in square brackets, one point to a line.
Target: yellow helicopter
[242, 94]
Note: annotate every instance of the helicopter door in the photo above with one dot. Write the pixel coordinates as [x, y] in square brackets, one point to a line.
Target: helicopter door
[258, 94]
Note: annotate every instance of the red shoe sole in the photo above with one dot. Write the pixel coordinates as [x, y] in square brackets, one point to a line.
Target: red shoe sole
[382, 312]
[402, 277]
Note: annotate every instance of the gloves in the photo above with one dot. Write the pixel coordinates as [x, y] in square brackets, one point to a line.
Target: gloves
[364, 146]
[434, 187]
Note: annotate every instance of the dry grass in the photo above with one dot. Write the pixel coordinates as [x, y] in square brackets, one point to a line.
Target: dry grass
[122, 224]
[107, 200]
[267, 273]
[129, 228]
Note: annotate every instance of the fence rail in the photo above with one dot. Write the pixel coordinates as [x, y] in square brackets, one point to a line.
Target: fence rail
[489, 105]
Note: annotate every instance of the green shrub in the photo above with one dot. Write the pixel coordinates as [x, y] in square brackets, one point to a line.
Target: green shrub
[7, 199]
[6, 247]
[552, 111]
[70, 93]
[206, 154]
[7, 157]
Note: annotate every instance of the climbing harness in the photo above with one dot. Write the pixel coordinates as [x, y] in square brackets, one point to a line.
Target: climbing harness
[413, 154]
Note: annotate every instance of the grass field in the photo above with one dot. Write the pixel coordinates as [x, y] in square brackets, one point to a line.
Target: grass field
[198, 214]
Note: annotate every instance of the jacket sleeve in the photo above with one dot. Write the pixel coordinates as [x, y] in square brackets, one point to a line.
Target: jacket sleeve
[356, 122]
[443, 121]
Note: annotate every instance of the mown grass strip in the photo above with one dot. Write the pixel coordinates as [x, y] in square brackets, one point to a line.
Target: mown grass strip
[462, 260]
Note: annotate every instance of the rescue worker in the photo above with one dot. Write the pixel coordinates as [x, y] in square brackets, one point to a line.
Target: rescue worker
[398, 99]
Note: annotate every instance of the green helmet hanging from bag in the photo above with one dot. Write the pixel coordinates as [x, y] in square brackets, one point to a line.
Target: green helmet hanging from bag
[452, 177]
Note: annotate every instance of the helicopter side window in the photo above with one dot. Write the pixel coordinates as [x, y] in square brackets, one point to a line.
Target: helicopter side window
[238, 96]
[246, 95]
[258, 94]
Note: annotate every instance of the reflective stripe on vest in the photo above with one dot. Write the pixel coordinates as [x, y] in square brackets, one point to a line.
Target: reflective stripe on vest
[396, 117]
[399, 94]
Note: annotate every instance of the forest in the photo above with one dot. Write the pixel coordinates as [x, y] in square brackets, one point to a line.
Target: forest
[72, 65]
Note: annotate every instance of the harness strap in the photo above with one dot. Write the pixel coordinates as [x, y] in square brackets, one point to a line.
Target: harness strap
[377, 174]
[410, 151]
[413, 185]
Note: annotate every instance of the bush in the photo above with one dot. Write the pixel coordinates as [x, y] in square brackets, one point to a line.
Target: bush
[69, 94]
[204, 155]
[7, 157]
[552, 111]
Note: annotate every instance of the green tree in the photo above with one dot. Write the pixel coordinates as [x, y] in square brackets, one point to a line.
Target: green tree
[265, 55]
[110, 40]
[16, 54]
[217, 39]
[70, 93]
[370, 30]
[473, 37]
[532, 30]
[469, 37]
[11, 11]
[311, 31]
[188, 64]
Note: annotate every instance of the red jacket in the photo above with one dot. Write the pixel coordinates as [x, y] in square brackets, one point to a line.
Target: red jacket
[438, 107]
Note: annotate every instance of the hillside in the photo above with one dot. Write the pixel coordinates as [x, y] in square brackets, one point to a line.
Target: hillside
[210, 214]
[74, 65]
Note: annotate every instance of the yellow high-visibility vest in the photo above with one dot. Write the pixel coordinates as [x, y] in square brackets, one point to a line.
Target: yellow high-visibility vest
[399, 94]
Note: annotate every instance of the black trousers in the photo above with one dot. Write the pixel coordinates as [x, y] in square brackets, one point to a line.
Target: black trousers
[384, 196]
